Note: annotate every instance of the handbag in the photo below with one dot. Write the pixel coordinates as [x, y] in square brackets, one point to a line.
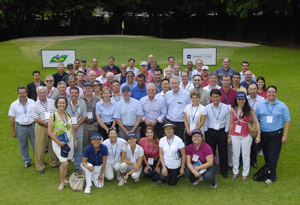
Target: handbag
[76, 181]
[262, 174]
[252, 128]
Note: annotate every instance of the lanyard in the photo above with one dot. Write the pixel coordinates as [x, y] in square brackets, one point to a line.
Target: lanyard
[193, 117]
[50, 93]
[253, 103]
[44, 105]
[196, 149]
[24, 106]
[217, 118]
[71, 105]
[117, 98]
[66, 120]
[228, 100]
[89, 104]
[170, 141]
[269, 109]
[238, 118]
[149, 149]
[115, 150]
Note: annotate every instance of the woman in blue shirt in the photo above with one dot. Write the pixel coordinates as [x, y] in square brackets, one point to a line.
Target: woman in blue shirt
[271, 115]
[93, 163]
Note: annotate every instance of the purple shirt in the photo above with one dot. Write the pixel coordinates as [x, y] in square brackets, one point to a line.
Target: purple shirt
[203, 152]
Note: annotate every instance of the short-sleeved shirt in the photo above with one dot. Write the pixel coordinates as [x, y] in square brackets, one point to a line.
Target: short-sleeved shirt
[134, 70]
[137, 94]
[254, 103]
[228, 98]
[39, 109]
[106, 112]
[126, 83]
[95, 158]
[77, 111]
[115, 69]
[153, 109]
[204, 151]
[128, 111]
[135, 155]
[53, 93]
[246, 85]
[149, 77]
[170, 149]
[22, 113]
[221, 71]
[114, 151]
[91, 107]
[150, 152]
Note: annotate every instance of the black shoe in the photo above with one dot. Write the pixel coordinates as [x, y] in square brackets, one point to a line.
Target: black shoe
[225, 176]
[230, 168]
[45, 163]
[159, 182]
[254, 165]
[56, 166]
[27, 164]
[41, 171]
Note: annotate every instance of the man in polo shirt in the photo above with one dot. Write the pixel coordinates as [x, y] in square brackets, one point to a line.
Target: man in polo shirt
[131, 67]
[93, 68]
[248, 79]
[139, 91]
[149, 76]
[60, 74]
[185, 84]
[71, 72]
[19, 113]
[31, 87]
[216, 127]
[204, 94]
[154, 110]
[77, 110]
[40, 112]
[102, 78]
[129, 80]
[110, 78]
[111, 67]
[90, 125]
[228, 94]
[51, 91]
[245, 67]
[236, 83]
[225, 69]
[175, 101]
[157, 79]
[213, 82]
[128, 114]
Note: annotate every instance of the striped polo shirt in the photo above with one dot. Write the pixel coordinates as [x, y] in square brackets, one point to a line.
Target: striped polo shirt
[39, 109]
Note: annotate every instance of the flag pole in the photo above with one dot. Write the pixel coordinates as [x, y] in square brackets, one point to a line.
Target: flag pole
[123, 27]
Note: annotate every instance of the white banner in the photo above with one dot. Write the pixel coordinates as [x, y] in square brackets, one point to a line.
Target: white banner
[207, 55]
[51, 58]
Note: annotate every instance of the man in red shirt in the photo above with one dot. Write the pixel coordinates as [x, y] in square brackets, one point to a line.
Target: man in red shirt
[149, 76]
[205, 72]
[228, 94]
[94, 68]
[110, 78]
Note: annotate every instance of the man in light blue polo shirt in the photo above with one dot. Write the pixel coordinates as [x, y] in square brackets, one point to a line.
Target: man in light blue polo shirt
[176, 100]
[129, 80]
[128, 114]
[271, 115]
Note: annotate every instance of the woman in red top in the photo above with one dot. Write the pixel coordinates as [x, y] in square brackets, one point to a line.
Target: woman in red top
[151, 154]
[261, 84]
[239, 134]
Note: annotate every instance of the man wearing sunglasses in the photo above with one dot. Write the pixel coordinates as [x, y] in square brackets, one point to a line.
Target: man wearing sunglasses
[52, 92]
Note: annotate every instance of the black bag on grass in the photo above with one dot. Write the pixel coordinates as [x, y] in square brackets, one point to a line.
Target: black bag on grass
[262, 174]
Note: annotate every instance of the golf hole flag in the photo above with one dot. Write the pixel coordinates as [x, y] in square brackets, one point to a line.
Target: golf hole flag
[51, 58]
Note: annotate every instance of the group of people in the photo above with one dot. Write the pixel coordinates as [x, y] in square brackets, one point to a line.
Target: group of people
[123, 121]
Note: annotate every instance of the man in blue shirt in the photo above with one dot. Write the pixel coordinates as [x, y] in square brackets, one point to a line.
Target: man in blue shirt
[225, 69]
[271, 115]
[139, 91]
[111, 67]
[129, 80]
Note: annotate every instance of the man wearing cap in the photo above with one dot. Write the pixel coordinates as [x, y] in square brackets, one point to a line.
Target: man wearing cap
[131, 67]
[248, 79]
[199, 65]
[90, 125]
[129, 80]
[213, 82]
[94, 68]
[60, 74]
[190, 69]
[149, 76]
[185, 84]
[19, 112]
[204, 94]
[228, 94]
[76, 66]
[139, 91]
[225, 69]
[245, 67]
[40, 112]
[51, 91]
[128, 114]
[121, 77]
[110, 78]
[216, 127]
[31, 87]
[236, 83]
[154, 110]
[176, 100]
[157, 79]
[83, 67]
[111, 67]
[72, 83]
[77, 109]
[70, 73]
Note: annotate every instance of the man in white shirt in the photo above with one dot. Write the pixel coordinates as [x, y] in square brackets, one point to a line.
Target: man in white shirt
[131, 67]
[185, 84]
[213, 82]
[19, 113]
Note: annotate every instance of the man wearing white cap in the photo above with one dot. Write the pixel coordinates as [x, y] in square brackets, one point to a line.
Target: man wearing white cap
[205, 77]
[149, 76]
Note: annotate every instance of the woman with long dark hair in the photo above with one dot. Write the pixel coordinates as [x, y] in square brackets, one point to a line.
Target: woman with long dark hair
[239, 136]
[261, 84]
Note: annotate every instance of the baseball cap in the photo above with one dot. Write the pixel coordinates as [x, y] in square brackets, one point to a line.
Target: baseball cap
[64, 150]
[205, 68]
[131, 134]
[240, 95]
[196, 131]
[87, 84]
[126, 88]
[143, 63]
[96, 136]
[169, 124]
[70, 65]
[83, 60]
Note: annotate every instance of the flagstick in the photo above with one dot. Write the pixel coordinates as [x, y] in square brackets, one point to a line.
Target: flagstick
[122, 39]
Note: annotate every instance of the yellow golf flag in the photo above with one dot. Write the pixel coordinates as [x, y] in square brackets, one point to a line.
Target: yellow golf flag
[123, 25]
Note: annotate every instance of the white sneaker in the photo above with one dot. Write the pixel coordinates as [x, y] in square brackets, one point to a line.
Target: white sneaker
[214, 186]
[198, 181]
[119, 178]
[87, 190]
[268, 181]
[121, 182]
[136, 180]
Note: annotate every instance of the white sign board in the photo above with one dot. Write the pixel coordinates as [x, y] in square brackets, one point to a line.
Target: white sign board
[51, 58]
[207, 55]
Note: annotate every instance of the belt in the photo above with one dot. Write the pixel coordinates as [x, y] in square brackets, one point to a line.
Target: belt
[89, 123]
[108, 123]
[221, 129]
[173, 122]
[25, 125]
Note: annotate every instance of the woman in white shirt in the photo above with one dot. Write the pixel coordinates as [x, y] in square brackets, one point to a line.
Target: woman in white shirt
[114, 146]
[193, 118]
[172, 156]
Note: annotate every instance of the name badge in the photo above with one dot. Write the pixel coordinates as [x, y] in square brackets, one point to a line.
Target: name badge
[195, 158]
[150, 161]
[74, 120]
[47, 115]
[90, 115]
[269, 119]
[97, 168]
[132, 159]
[216, 126]
[238, 128]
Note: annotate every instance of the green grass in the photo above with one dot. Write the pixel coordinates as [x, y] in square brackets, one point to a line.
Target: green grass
[280, 66]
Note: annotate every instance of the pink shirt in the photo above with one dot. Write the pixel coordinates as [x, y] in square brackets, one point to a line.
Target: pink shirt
[262, 94]
[204, 151]
[98, 72]
[149, 77]
[228, 98]
[243, 122]
[150, 152]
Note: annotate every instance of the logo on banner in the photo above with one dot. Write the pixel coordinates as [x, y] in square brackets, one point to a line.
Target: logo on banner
[58, 58]
[189, 56]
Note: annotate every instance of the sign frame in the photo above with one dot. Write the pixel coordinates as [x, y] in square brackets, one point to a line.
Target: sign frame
[213, 51]
[65, 62]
